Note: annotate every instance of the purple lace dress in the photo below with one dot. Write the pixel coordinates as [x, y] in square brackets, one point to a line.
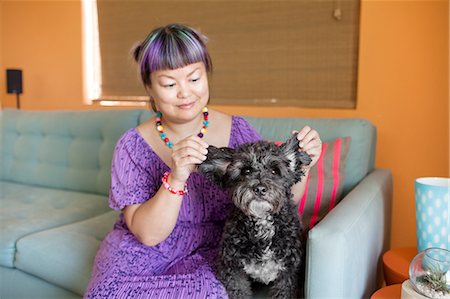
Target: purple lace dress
[182, 266]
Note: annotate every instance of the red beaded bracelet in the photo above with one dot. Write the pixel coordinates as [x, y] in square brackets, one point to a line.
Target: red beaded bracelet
[170, 188]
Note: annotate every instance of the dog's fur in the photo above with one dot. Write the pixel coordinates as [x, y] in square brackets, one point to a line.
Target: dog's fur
[263, 238]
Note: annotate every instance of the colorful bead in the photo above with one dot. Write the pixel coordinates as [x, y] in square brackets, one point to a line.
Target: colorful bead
[166, 185]
[166, 140]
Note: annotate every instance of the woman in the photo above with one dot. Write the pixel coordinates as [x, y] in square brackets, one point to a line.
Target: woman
[166, 239]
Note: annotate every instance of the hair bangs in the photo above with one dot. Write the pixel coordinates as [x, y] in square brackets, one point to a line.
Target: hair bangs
[172, 47]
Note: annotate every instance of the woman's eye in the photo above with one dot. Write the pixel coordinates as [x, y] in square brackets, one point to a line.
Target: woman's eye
[195, 80]
[169, 85]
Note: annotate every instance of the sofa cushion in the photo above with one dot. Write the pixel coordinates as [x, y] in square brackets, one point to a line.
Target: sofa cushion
[67, 150]
[64, 256]
[324, 185]
[29, 209]
[16, 284]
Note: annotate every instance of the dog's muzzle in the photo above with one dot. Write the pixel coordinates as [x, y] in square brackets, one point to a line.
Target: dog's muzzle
[260, 190]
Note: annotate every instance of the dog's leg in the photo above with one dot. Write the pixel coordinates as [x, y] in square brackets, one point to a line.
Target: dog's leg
[236, 283]
[285, 286]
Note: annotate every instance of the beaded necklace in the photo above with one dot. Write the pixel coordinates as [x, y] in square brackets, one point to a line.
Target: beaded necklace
[160, 128]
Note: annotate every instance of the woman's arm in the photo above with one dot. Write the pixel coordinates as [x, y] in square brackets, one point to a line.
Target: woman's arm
[153, 221]
[299, 188]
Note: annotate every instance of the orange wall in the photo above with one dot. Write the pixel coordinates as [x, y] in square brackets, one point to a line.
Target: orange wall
[402, 84]
[44, 39]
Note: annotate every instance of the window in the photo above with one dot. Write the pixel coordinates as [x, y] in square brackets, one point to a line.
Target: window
[291, 53]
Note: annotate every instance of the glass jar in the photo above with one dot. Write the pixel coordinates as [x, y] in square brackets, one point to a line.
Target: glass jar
[429, 272]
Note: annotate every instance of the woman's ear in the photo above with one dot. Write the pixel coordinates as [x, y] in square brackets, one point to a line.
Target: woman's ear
[149, 91]
[153, 105]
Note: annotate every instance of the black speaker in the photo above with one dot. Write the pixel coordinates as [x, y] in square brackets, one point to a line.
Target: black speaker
[14, 81]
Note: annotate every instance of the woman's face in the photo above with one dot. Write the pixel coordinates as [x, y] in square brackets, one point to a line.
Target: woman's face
[180, 94]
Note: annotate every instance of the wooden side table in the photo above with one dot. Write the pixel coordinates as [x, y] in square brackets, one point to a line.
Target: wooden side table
[396, 264]
[393, 291]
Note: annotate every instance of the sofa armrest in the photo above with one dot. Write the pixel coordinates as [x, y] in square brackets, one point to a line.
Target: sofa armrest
[344, 249]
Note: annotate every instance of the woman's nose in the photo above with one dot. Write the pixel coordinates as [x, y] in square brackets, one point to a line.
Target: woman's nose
[183, 91]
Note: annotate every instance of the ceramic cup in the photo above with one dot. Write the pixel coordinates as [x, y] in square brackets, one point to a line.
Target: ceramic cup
[432, 212]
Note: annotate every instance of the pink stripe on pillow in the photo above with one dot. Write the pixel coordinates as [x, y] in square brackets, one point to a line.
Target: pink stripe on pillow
[301, 207]
[320, 183]
[326, 177]
[335, 171]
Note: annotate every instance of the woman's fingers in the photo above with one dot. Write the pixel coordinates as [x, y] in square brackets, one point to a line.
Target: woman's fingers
[312, 144]
[302, 133]
[192, 142]
[192, 152]
[187, 154]
[306, 135]
[309, 142]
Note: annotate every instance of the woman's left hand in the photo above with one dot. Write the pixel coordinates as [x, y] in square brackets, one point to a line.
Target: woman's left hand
[309, 142]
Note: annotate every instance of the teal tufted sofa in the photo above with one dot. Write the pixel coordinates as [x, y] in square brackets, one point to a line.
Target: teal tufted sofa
[54, 181]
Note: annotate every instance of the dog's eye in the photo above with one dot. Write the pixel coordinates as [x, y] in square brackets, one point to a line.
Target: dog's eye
[275, 170]
[247, 170]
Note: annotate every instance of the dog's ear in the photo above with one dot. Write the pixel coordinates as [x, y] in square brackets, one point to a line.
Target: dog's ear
[296, 158]
[216, 163]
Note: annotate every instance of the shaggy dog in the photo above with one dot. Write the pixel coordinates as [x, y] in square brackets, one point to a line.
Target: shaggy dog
[263, 238]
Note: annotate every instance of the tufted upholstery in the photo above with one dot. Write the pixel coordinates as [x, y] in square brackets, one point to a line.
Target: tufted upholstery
[64, 150]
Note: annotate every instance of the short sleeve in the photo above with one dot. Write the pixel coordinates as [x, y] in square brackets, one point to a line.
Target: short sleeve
[131, 179]
[242, 132]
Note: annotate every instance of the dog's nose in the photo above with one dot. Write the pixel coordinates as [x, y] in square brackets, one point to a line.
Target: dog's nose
[260, 190]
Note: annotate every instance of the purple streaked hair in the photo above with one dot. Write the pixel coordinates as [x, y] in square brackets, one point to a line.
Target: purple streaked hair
[170, 47]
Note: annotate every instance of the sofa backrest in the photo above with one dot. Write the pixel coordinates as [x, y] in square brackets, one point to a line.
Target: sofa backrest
[361, 156]
[67, 150]
[73, 149]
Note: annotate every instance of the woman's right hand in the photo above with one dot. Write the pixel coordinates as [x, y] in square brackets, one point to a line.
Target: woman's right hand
[186, 155]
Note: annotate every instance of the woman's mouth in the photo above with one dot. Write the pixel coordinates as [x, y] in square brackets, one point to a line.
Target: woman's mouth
[186, 106]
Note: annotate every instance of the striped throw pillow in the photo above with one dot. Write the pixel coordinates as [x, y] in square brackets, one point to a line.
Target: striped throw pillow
[325, 182]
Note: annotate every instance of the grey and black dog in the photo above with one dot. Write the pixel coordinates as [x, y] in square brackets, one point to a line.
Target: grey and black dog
[263, 238]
